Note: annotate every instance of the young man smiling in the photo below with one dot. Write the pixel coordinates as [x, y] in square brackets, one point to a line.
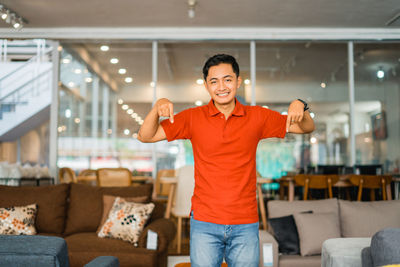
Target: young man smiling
[224, 136]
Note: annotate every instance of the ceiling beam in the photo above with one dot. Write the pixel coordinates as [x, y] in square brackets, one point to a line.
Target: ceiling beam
[206, 33]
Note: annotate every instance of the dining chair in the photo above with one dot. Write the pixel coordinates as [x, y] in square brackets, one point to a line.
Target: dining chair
[66, 175]
[107, 177]
[371, 182]
[315, 181]
[182, 199]
[87, 173]
[161, 190]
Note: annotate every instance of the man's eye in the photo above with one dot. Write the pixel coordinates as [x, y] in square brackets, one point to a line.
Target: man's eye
[213, 82]
[228, 80]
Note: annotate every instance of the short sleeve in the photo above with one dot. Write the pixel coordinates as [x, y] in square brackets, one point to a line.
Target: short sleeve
[180, 129]
[274, 123]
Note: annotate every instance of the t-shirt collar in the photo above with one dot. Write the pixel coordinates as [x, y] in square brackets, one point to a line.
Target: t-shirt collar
[237, 111]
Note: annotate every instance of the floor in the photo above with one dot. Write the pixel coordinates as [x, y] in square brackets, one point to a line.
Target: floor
[172, 260]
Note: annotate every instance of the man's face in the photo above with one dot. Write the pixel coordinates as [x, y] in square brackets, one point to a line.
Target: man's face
[222, 83]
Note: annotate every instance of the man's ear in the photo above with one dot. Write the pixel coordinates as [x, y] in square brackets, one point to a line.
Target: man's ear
[239, 81]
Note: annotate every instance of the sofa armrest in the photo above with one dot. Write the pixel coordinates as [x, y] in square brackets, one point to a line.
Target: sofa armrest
[104, 261]
[165, 230]
[266, 237]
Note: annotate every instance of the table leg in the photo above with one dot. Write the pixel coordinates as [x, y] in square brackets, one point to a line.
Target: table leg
[262, 206]
[291, 191]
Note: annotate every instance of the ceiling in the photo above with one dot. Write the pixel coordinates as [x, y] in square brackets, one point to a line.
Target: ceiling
[221, 13]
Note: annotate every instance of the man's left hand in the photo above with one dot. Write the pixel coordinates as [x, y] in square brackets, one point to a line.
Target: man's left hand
[295, 113]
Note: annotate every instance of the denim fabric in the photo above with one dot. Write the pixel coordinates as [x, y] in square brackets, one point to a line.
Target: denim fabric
[210, 243]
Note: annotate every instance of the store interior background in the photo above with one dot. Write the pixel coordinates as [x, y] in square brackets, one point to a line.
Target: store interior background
[95, 130]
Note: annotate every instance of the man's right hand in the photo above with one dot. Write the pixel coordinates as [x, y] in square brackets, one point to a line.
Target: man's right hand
[165, 108]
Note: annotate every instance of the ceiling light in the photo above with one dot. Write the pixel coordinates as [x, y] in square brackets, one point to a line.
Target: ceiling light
[135, 135]
[284, 112]
[134, 115]
[77, 120]
[198, 103]
[78, 71]
[323, 85]
[199, 81]
[380, 74]
[125, 107]
[152, 84]
[11, 17]
[313, 140]
[128, 79]
[68, 113]
[247, 81]
[191, 6]
[66, 60]
[71, 84]
[114, 60]
[127, 132]
[59, 48]
[120, 101]
[312, 114]
[104, 48]
[129, 111]
[122, 71]
[140, 122]
[88, 79]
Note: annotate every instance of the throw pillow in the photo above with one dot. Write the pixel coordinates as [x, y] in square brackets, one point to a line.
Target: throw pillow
[314, 229]
[108, 202]
[18, 220]
[126, 220]
[285, 232]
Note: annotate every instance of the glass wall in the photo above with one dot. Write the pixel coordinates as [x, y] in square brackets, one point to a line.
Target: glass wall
[316, 73]
[377, 109]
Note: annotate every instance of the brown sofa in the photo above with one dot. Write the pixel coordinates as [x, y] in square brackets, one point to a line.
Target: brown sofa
[351, 219]
[74, 211]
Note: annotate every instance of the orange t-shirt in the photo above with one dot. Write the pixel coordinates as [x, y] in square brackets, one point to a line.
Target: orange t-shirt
[225, 158]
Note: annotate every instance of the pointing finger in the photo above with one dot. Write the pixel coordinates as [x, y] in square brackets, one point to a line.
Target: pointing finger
[171, 111]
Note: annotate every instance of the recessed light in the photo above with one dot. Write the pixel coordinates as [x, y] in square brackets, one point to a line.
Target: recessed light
[199, 81]
[323, 85]
[71, 84]
[78, 71]
[122, 71]
[114, 60]
[247, 81]
[128, 79]
[380, 74]
[198, 103]
[152, 84]
[129, 111]
[120, 101]
[77, 120]
[312, 114]
[88, 79]
[66, 60]
[104, 48]
[125, 107]
[127, 132]
[68, 113]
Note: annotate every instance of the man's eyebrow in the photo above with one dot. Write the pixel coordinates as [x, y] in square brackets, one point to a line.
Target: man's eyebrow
[226, 76]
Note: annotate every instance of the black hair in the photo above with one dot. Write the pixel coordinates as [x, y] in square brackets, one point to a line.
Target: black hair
[219, 59]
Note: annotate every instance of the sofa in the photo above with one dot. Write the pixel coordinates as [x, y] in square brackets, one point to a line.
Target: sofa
[74, 212]
[319, 220]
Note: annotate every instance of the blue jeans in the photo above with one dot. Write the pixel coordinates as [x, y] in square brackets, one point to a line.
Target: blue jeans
[210, 243]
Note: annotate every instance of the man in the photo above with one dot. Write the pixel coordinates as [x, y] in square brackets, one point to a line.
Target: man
[224, 136]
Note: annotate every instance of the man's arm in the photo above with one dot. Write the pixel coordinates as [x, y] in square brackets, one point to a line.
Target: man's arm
[151, 130]
[298, 120]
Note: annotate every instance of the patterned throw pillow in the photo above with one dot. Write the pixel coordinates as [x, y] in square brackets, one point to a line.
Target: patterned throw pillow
[18, 220]
[126, 220]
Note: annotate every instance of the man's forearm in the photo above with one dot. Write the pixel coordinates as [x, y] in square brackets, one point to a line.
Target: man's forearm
[307, 123]
[149, 126]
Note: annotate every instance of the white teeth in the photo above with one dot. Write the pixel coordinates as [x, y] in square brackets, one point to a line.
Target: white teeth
[224, 94]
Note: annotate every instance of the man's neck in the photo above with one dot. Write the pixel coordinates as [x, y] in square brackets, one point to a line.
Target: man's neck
[226, 109]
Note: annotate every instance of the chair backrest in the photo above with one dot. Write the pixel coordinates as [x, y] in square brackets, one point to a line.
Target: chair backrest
[371, 182]
[315, 181]
[66, 175]
[88, 172]
[162, 190]
[114, 177]
[184, 191]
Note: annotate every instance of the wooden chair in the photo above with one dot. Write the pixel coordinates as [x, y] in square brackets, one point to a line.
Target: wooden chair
[67, 175]
[107, 177]
[161, 190]
[313, 181]
[182, 199]
[371, 182]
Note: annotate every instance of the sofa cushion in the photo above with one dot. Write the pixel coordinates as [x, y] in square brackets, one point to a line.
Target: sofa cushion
[299, 261]
[314, 229]
[385, 247]
[86, 204]
[126, 220]
[280, 208]
[18, 220]
[51, 201]
[363, 219]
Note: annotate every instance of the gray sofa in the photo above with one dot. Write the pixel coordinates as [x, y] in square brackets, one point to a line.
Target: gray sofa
[330, 218]
[384, 249]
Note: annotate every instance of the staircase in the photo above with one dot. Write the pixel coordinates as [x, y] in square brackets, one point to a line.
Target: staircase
[25, 97]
